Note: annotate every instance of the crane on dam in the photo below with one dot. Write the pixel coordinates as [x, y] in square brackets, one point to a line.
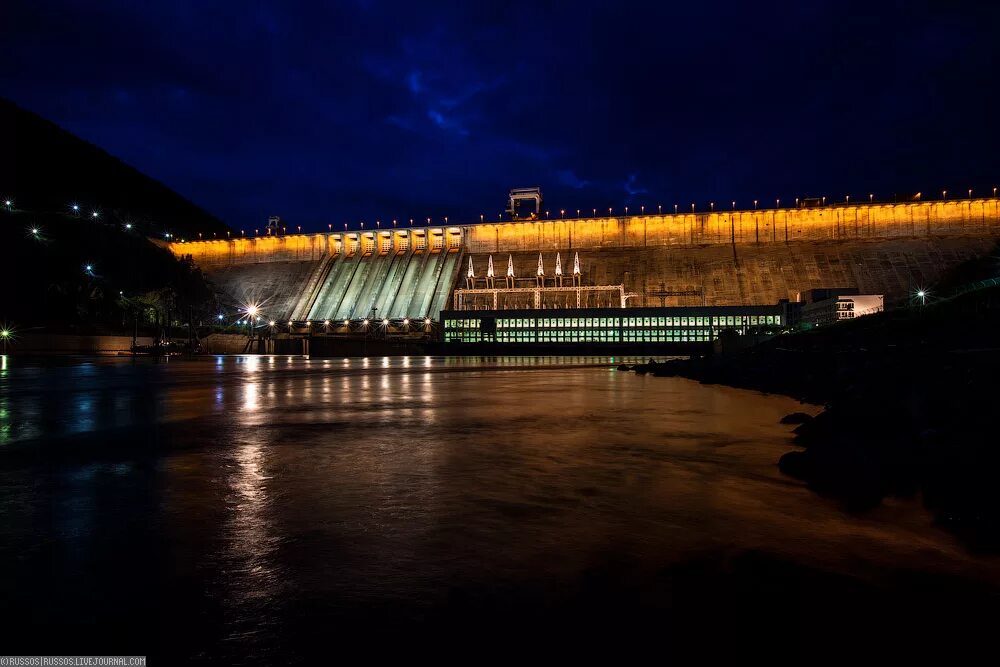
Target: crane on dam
[518, 195]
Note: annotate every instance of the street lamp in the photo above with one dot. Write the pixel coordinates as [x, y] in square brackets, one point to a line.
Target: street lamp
[922, 295]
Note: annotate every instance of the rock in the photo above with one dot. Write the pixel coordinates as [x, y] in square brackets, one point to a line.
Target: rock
[796, 418]
[795, 464]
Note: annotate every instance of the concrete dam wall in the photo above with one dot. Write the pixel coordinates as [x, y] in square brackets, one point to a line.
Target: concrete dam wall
[755, 275]
[716, 258]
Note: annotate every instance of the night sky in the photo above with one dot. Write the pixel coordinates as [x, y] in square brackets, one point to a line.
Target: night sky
[328, 112]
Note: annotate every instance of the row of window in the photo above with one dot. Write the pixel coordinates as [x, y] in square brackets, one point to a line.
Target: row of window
[588, 336]
[614, 323]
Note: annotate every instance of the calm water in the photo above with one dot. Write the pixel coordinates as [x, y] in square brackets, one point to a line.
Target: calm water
[256, 509]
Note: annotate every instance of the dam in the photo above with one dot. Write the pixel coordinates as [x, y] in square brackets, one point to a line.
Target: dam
[719, 258]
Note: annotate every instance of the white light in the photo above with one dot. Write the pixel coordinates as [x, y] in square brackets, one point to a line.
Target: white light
[219, 316]
[89, 267]
[76, 207]
[252, 310]
[427, 321]
[365, 322]
[94, 214]
[921, 294]
[347, 323]
[128, 225]
[7, 202]
[326, 323]
[272, 323]
[385, 322]
[406, 321]
[34, 230]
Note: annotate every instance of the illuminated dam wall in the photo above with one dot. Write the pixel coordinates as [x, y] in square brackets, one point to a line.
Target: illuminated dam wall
[717, 258]
[394, 274]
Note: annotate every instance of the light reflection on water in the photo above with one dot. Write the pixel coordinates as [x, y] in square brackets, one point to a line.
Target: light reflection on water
[315, 482]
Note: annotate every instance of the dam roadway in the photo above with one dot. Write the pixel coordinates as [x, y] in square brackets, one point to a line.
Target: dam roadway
[721, 258]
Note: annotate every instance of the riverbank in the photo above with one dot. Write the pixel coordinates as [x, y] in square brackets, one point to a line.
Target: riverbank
[909, 407]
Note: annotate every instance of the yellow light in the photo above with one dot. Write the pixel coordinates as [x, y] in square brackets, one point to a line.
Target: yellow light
[347, 323]
[272, 323]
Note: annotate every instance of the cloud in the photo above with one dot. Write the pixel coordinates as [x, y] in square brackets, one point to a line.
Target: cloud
[413, 81]
[631, 188]
[568, 177]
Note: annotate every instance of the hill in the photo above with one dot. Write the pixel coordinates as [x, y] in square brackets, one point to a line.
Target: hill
[46, 169]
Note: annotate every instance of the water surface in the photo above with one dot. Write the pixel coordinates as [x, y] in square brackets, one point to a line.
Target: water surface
[255, 508]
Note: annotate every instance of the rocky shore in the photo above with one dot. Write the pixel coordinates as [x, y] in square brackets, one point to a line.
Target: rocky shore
[909, 407]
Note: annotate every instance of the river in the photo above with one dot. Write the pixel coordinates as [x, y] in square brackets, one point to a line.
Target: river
[258, 509]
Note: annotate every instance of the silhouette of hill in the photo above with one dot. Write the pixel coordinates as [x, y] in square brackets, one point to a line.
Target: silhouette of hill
[46, 168]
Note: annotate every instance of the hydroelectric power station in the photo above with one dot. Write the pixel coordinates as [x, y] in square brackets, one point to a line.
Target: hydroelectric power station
[667, 279]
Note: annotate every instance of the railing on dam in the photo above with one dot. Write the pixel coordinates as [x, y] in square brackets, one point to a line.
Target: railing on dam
[965, 217]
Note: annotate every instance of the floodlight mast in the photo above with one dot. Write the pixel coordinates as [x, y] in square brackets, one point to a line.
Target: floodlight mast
[524, 194]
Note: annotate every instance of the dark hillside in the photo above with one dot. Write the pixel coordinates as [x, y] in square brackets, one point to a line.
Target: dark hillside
[46, 169]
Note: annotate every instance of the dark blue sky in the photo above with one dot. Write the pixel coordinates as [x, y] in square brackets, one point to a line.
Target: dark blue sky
[327, 112]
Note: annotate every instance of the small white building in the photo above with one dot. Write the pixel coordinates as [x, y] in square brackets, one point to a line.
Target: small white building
[836, 307]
